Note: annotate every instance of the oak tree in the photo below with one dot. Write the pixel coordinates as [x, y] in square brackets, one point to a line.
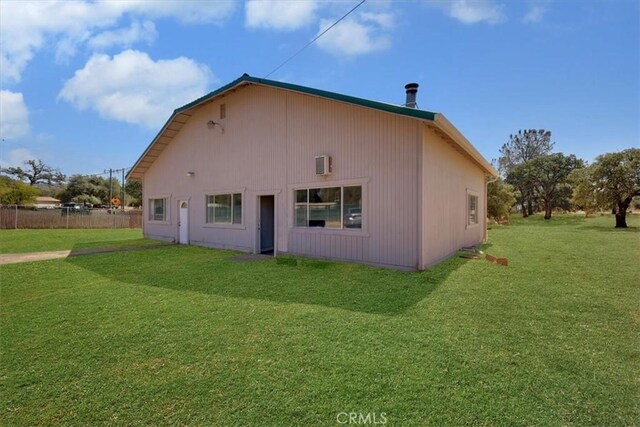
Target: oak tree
[522, 147]
[616, 178]
[36, 172]
[549, 175]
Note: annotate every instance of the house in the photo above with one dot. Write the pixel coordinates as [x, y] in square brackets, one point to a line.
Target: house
[45, 202]
[269, 167]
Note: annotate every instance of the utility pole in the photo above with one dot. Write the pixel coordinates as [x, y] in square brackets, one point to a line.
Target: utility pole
[110, 188]
[124, 191]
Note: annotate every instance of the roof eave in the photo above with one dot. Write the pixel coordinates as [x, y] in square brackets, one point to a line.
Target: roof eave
[138, 176]
[444, 125]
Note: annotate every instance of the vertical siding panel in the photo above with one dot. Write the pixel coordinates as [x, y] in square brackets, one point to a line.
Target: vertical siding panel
[270, 139]
[246, 156]
[447, 175]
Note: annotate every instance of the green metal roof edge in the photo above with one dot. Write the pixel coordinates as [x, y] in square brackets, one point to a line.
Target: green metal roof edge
[211, 95]
[389, 108]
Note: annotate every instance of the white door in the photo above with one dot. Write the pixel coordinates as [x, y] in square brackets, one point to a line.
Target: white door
[183, 224]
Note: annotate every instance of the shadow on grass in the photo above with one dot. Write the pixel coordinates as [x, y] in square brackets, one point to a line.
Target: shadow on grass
[610, 229]
[538, 220]
[114, 245]
[330, 284]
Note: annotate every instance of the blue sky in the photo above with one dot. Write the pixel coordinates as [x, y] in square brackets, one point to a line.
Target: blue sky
[86, 85]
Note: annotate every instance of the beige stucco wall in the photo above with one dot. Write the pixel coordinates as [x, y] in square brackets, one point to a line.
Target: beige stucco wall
[447, 177]
[270, 139]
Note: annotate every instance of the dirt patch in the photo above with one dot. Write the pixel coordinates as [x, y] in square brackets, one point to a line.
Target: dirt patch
[43, 256]
[33, 256]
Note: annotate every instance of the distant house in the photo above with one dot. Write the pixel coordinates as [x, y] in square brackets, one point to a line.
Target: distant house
[45, 202]
[269, 167]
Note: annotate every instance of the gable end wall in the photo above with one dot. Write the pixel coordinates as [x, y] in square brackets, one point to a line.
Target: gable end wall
[268, 146]
[447, 176]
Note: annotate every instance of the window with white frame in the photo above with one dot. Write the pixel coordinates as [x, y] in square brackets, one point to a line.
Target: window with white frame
[472, 208]
[329, 207]
[158, 209]
[224, 208]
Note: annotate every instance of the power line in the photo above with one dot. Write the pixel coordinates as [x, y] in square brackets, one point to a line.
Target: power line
[105, 172]
[315, 38]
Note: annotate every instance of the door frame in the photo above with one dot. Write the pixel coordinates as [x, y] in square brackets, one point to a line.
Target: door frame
[188, 202]
[258, 195]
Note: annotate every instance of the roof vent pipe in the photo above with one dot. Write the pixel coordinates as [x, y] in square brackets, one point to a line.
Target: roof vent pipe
[412, 90]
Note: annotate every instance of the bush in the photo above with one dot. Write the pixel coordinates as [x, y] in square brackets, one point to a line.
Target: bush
[500, 199]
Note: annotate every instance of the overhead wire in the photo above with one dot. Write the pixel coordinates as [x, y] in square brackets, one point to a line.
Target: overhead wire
[285, 62]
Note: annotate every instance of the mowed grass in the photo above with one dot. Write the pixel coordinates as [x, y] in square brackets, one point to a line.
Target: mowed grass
[186, 336]
[22, 241]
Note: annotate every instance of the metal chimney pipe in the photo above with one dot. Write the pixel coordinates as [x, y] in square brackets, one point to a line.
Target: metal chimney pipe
[412, 90]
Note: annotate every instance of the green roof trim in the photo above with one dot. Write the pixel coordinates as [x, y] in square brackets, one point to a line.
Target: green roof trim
[245, 78]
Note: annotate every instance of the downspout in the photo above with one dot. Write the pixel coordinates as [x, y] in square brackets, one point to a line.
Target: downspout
[488, 180]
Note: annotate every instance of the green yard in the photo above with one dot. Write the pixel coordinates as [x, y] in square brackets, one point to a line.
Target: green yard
[17, 241]
[185, 336]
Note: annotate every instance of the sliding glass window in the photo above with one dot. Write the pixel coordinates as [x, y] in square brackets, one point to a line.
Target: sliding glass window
[329, 207]
[224, 208]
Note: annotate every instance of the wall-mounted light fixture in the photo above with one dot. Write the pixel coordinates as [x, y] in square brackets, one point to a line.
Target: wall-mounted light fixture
[191, 174]
[211, 124]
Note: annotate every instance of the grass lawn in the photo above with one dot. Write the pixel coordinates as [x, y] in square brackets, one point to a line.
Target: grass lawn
[185, 336]
[17, 241]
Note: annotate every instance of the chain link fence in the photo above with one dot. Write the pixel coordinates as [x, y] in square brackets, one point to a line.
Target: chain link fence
[27, 217]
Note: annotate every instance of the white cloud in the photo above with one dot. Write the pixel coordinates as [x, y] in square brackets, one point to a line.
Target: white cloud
[383, 20]
[125, 37]
[26, 25]
[17, 157]
[279, 14]
[186, 11]
[133, 88]
[471, 11]
[14, 115]
[361, 34]
[535, 14]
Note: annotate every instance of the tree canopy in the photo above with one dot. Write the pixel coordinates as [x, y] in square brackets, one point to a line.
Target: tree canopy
[524, 146]
[549, 175]
[87, 188]
[36, 172]
[616, 180]
[521, 148]
[134, 191]
[584, 191]
[14, 192]
[500, 198]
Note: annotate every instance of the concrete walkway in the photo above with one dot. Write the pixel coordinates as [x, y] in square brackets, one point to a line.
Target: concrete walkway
[42, 256]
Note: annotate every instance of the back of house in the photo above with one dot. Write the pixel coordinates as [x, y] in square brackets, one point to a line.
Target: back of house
[269, 167]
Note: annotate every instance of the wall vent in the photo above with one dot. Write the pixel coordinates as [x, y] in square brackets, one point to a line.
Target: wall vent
[323, 165]
[223, 111]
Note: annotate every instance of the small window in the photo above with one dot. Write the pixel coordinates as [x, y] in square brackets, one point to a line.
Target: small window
[223, 111]
[472, 209]
[157, 209]
[224, 208]
[329, 207]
